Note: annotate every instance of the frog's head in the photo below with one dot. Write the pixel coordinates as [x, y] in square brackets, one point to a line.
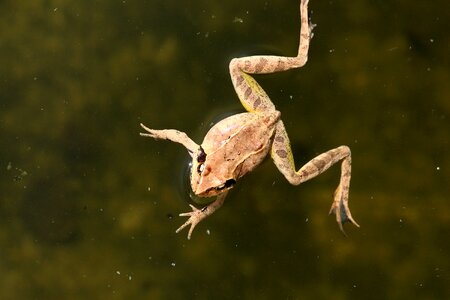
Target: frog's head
[208, 178]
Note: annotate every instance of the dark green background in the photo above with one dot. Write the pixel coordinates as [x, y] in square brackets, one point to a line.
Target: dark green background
[88, 209]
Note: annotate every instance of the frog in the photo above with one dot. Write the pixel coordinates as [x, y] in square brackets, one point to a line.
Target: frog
[239, 143]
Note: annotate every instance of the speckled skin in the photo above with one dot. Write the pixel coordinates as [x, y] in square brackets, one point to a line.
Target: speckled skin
[238, 144]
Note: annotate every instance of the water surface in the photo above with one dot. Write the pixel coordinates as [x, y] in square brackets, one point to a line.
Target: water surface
[89, 209]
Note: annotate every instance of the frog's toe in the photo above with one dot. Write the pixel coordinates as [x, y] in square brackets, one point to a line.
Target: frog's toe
[149, 132]
[342, 212]
[195, 216]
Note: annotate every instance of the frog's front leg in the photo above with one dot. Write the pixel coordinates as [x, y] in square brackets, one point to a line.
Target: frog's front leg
[196, 215]
[282, 156]
[172, 135]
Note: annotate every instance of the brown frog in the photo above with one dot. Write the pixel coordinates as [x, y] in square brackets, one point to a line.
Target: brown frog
[238, 144]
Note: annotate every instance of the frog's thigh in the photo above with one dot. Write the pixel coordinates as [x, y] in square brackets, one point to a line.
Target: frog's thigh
[282, 156]
[250, 93]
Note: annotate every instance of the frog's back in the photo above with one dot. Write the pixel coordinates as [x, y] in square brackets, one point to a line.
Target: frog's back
[242, 126]
[240, 142]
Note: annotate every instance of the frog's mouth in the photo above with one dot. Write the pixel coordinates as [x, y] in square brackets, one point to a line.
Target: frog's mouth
[228, 184]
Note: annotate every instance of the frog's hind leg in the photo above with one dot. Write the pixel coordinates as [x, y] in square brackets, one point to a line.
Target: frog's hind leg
[250, 93]
[282, 156]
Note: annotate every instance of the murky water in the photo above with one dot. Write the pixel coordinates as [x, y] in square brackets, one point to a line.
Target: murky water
[89, 209]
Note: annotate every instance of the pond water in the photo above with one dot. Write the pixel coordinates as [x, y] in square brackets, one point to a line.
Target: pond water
[89, 208]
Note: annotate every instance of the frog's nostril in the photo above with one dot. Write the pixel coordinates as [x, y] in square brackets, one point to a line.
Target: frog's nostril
[206, 171]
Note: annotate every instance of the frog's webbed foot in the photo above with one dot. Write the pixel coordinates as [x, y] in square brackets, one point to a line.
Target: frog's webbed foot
[196, 215]
[341, 210]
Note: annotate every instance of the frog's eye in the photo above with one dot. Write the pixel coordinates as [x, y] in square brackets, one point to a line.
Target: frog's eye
[201, 157]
